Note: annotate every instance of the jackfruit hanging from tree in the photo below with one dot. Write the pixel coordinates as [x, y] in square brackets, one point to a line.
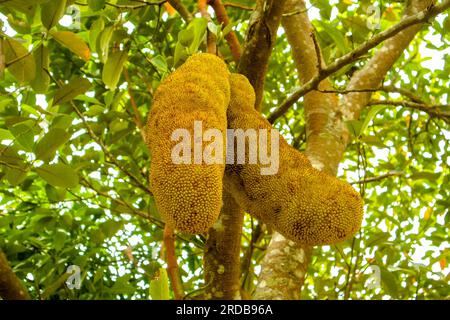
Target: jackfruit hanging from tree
[302, 203]
[188, 195]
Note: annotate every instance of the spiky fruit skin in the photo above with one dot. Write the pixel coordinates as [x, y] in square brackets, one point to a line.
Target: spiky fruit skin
[188, 196]
[302, 203]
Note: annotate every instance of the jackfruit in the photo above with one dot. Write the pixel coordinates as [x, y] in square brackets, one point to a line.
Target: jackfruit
[188, 195]
[302, 203]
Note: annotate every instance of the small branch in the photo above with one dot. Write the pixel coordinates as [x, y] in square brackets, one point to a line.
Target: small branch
[239, 6]
[348, 58]
[211, 41]
[137, 117]
[231, 37]
[181, 9]
[379, 178]
[11, 288]
[172, 265]
[434, 110]
[318, 52]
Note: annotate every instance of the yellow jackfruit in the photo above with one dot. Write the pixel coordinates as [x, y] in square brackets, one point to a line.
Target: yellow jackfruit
[188, 196]
[302, 203]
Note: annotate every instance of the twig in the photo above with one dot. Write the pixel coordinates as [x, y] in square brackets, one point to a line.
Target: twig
[181, 9]
[239, 6]
[379, 178]
[137, 116]
[434, 110]
[348, 58]
[172, 265]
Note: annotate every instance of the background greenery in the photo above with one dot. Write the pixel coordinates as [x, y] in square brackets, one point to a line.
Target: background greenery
[74, 166]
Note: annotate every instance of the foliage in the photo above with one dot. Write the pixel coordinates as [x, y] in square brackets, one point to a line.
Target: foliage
[74, 167]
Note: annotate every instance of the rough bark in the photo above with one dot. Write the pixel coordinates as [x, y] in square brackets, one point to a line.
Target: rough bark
[261, 37]
[222, 250]
[326, 132]
[11, 288]
[285, 259]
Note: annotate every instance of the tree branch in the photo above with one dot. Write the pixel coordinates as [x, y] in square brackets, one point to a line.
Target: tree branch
[181, 9]
[172, 264]
[211, 41]
[379, 178]
[221, 259]
[415, 19]
[285, 264]
[373, 73]
[11, 288]
[261, 36]
[433, 110]
[231, 37]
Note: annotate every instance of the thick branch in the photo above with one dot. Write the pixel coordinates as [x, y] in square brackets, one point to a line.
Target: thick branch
[260, 40]
[415, 19]
[283, 270]
[285, 264]
[11, 288]
[222, 267]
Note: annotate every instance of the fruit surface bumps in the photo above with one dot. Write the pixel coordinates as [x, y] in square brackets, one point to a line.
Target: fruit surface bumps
[188, 196]
[302, 203]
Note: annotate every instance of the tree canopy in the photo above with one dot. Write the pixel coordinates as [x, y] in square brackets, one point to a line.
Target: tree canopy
[77, 82]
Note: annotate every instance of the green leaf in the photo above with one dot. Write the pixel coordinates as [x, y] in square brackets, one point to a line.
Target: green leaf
[19, 25]
[185, 37]
[425, 175]
[51, 12]
[41, 81]
[59, 238]
[354, 127]
[103, 41]
[16, 176]
[336, 35]
[47, 146]
[55, 194]
[95, 30]
[95, 110]
[112, 70]
[160, 64]
[111, 227]
[159, 287]
[96, 5]
[23, 132]
[370, 116]
[68, 92]
[373, 141]
[389, 282]
[18, 60]
[5, 135]
[58, 175]
[73, 42]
